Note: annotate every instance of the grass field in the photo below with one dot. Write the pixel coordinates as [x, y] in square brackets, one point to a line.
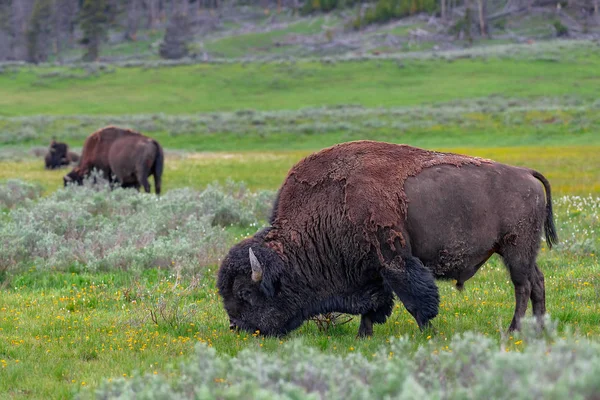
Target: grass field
[69, 326]
[571, 169]
[204, 88]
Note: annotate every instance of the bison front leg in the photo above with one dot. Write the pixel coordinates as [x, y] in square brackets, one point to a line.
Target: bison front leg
[415, 287]
[379, 314]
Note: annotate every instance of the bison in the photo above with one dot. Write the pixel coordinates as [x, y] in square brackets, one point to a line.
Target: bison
[122, 155]
[58, 155]
[356, 223]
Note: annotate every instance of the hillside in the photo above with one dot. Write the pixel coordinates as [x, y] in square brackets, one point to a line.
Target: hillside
[233, 31]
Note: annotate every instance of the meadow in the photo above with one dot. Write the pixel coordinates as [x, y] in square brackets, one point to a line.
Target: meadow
[111, 294]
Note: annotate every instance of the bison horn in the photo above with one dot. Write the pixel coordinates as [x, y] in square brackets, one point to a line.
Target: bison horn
[257, 270]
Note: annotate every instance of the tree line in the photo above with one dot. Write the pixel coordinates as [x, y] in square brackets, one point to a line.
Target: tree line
[37, 30]
[34, 30]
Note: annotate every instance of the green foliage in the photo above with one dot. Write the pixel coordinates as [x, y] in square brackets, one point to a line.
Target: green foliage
[387, 10]
[471, 366]
[561, 30]
[94, 19]
[39, 31]
[500, 23]
[312, 6]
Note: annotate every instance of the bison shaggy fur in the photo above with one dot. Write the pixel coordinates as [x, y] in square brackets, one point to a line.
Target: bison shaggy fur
[356, 223]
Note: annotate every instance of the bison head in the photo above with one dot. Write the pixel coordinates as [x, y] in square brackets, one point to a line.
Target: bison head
[73, 177]
[254, 296]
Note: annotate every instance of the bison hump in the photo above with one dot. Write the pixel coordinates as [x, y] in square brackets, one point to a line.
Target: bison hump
[371, 177]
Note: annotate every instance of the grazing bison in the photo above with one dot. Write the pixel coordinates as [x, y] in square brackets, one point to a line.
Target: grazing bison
[122, 155]
[355, 223]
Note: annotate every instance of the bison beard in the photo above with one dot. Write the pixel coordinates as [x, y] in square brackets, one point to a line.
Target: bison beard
[358, 222]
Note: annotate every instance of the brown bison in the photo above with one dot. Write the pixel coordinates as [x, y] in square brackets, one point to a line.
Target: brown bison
[357, 222]
[122, 155]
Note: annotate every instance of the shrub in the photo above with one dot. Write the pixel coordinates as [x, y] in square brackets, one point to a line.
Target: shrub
[95, 228]
[167, 303]
[471, 366]
[15, 192]
[561, 30]
[312, 6]
[579, 221]
[387, 10]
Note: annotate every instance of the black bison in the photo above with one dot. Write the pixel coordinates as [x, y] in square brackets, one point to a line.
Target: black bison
[59, 155]
[355, 223]
[122, 155]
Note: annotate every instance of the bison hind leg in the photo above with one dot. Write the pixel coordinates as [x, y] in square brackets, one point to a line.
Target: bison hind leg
[143, 181]
[538, 294]
[415, 286]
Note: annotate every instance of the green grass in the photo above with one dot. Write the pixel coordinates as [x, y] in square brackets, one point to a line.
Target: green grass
[202, 88]
[140, 48]
[404, 30]
[61, 332]
[262, 43]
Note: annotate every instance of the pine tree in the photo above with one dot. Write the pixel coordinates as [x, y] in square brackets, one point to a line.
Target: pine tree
[39, 31]
[94, 20]
[177, 36]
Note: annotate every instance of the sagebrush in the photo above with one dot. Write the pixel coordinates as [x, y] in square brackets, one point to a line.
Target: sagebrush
[95, 228]
[471, 366]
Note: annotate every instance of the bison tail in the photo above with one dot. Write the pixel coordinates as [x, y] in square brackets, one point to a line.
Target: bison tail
[159, 163]
[549, 228]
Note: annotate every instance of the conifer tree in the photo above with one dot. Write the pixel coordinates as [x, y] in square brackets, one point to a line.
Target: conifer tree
[94, 20]
[39, 31]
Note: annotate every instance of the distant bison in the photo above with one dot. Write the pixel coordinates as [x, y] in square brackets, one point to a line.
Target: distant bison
[357, 222]
[59, 155]
[122, 155]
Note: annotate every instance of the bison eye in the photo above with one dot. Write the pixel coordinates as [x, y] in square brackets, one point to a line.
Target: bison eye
[246, 296]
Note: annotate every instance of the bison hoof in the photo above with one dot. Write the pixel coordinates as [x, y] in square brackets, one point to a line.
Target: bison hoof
[428, 327]
[364, 334]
